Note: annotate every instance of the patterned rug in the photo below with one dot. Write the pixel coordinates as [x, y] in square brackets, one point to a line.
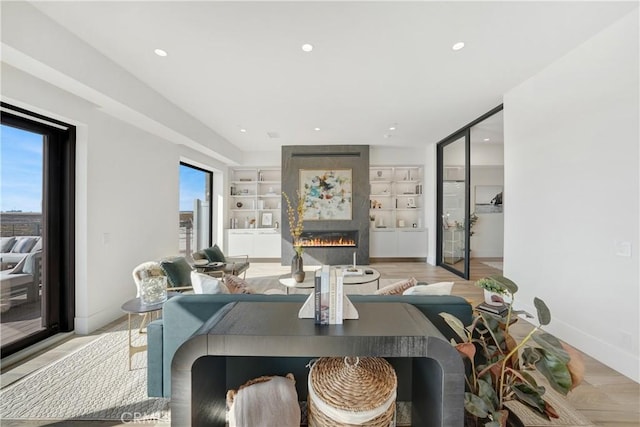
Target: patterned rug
[93, 383]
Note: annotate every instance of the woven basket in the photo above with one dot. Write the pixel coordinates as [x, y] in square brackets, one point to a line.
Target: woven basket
[352, 392]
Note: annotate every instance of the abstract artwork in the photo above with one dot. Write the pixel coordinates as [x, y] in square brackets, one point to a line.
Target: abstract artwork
[327, 194]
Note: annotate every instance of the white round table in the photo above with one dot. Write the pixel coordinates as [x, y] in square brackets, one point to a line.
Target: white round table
[374, 276]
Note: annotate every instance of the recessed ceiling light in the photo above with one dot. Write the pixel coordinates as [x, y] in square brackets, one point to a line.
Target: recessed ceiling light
[160, 52]
[486, 139]
[458, 46]
[243, 130]
[307, 47]
[316, 129]
[393, 127]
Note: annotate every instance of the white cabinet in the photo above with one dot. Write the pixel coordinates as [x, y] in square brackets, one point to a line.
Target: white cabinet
[383, 243]
[267, 244]
[398, 243]
[255, 243]
[412, 243]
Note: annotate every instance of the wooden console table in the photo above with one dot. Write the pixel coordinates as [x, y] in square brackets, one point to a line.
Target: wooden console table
[199, 372]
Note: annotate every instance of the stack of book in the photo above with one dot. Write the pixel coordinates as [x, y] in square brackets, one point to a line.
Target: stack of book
[497, 310]
[329, 296]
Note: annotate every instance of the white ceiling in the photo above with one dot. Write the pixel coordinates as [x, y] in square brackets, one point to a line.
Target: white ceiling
[239, 64]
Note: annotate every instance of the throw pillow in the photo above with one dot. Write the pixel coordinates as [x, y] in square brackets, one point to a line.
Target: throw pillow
[265, 401]
[31, 262]
[397, 288]
[205, 284]
[214, 254]
[6, 243]
[178, 272]
[38, 246]
[237, 285]
[440, 288]
[23, 245]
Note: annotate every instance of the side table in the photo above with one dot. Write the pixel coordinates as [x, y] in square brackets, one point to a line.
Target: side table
[135, 306]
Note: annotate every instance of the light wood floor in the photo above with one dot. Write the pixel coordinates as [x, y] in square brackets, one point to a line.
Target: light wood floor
[606, 397]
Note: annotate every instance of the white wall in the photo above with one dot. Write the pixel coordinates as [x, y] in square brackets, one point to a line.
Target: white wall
[488, 232]
[572, 180]
[126, 196]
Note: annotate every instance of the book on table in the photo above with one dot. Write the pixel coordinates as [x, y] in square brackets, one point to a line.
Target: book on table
[499, 310]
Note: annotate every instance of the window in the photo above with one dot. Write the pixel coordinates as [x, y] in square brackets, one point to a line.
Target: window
[37, 226]
[195, 209]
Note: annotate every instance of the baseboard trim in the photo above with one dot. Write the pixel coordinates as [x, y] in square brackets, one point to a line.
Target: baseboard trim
[374, 260]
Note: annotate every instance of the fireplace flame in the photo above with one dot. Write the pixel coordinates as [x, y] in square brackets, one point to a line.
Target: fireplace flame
[328, 242]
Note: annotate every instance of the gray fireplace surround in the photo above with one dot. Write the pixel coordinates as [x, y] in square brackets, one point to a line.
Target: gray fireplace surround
[329, 157]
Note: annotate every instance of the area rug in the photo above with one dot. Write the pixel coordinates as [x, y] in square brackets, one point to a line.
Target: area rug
[92, 383]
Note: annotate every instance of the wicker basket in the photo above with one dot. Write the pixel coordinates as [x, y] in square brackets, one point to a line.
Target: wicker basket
[352, 392]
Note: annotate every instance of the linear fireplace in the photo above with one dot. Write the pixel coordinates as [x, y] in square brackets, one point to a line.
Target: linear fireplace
[330, 239]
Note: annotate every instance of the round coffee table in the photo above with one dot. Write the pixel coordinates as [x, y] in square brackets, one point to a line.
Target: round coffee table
[289, 282]
[368, 275]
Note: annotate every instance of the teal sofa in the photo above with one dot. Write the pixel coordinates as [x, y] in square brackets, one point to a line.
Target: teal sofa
[184, 315]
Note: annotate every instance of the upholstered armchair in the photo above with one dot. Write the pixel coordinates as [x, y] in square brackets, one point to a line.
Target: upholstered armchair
[232, 264]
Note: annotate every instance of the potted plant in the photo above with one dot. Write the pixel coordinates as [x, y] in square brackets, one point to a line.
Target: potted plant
[498, 367]
[494, 292]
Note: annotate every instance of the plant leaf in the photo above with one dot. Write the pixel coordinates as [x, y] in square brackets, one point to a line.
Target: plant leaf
[487, 393]
[552, 345]
[544, 315]
[550, 410]
[529, 397]
[455, 324]
[556, 372]
[475, 405]
[506, 283]
[531, 356]
[467, 349]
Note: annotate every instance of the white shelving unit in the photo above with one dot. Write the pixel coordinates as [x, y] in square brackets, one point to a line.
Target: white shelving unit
[254, 213]
[396, 207]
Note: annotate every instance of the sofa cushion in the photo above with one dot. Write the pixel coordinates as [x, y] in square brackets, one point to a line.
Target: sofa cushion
[440, 288]
[237, 285]
[31, 262]
[214, 254]
[178, 272]
[205, 284]
[397, 288]
[38, 246]
[6, 243]
[23, 245]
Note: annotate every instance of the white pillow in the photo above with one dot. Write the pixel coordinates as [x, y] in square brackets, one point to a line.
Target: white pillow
[205, 284]
[440, 288]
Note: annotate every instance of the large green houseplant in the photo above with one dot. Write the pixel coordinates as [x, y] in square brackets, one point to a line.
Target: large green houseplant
[498, 366]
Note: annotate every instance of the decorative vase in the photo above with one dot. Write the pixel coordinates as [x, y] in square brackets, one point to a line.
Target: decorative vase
[297, 268]
[153, 290]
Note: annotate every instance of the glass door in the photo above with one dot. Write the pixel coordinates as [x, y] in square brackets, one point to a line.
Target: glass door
[453, 204]
[37, 170]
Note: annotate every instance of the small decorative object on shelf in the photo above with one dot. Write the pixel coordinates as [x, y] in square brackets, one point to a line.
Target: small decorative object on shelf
[239, 205]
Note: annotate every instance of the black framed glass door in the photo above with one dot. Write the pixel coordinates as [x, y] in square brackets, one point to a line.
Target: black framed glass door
[37, 209]
[453, 204]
